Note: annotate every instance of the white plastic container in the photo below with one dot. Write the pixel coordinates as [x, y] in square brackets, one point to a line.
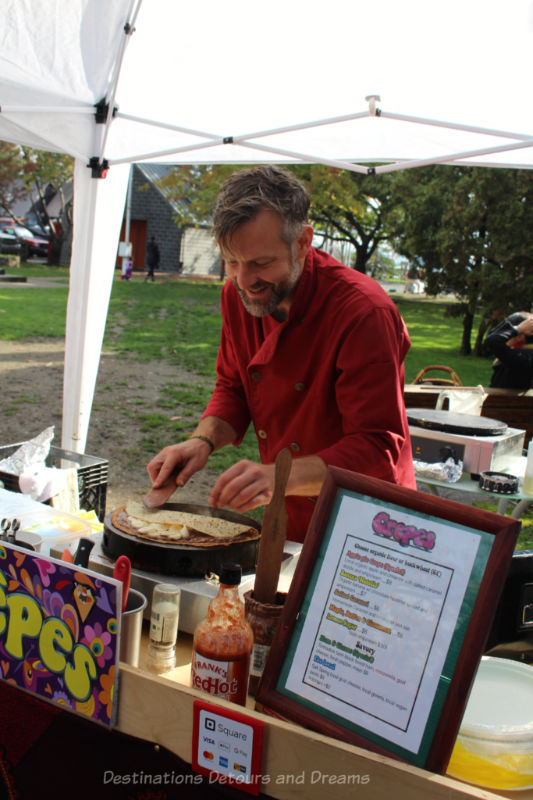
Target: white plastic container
[52, 527]
[494, 747]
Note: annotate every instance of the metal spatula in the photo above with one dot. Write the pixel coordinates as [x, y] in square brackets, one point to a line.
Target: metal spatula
[158, 497]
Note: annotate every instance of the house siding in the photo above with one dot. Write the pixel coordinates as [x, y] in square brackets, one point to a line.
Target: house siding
[149, 205]
[187, 250]
[199, 253]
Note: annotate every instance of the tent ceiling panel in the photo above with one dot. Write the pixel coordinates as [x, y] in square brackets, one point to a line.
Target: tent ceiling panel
[233, 70]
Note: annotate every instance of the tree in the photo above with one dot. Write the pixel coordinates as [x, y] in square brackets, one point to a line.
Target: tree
[193, 191]
[350, 207]
[468, 229]
[48, 173]
[345, 207]
[25, 172]
[12, 170]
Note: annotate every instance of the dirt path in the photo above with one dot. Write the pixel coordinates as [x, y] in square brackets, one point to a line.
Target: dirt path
[31, 373]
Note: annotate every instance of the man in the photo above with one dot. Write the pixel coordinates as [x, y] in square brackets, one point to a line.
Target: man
[152, 258]
[311, 352]
[512, 343]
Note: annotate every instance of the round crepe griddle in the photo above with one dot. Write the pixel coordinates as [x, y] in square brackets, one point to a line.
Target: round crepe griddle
[177, 559]
[452, 422]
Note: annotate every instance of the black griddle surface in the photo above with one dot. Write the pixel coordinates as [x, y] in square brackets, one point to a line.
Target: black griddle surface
[452, 422]
[177, 559]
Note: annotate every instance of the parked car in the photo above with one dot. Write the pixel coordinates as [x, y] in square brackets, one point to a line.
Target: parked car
[30, 243]
[9, 244]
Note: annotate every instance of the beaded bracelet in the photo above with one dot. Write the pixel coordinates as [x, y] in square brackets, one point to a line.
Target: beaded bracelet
[205, 439]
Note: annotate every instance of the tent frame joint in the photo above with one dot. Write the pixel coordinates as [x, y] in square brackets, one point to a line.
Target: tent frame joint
[102, 111]
[227, 140]
[99, 169]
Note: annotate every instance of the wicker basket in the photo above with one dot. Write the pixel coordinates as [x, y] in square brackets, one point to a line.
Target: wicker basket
[453, 380]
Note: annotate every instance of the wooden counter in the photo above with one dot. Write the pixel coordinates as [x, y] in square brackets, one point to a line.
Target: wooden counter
[296, 763]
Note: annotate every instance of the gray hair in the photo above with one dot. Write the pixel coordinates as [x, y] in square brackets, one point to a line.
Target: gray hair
[245, 193]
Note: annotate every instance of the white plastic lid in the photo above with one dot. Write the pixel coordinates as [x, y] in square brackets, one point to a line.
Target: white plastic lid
[500, 706]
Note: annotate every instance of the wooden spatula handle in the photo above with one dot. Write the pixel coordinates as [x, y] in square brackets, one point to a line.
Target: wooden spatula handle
[273, 534]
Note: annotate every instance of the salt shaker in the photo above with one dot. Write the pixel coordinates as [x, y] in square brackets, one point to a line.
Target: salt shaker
[164, 620]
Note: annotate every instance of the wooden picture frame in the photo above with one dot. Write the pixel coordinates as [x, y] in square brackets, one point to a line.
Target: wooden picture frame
[399, 585]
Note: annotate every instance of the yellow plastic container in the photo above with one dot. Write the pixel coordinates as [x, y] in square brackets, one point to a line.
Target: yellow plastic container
[494, 748]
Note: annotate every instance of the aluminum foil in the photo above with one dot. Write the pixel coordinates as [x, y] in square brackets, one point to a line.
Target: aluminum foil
[30, 456]
[448, 471]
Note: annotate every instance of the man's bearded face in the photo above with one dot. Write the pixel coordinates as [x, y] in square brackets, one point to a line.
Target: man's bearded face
[264, 297]
[264, 269]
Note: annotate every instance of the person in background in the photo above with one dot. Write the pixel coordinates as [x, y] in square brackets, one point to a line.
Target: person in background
[152, 258]
[512, 343]
[311, 353]
[127, 269]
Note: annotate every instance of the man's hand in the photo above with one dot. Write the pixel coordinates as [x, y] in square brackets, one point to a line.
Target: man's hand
[244, 486]
[247, 485]
[526, 327]
[178, 462]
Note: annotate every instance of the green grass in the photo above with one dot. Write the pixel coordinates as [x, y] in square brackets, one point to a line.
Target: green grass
[28, 312]
[435, 339]
[179, 321]
[36, 270]
[175, 320]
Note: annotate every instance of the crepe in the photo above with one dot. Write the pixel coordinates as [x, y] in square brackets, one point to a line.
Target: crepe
[179, 527]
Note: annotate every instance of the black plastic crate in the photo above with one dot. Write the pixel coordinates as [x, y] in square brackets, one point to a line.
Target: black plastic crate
[92, 475]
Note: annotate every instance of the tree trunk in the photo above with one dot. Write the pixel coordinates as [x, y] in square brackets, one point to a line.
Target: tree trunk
[54, 251]
[468, 321]
[483, 327]
[361, 259]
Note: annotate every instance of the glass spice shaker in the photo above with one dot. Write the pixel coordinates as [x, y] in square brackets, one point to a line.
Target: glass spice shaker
[164, 621]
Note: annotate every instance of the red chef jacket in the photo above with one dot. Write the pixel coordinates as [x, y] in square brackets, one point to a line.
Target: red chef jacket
[326, 381]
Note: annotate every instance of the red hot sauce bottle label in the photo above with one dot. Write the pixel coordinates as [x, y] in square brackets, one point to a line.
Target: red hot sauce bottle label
[226, 679]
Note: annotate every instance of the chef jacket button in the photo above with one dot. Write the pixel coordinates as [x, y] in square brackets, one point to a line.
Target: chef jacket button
[300, 387]
[256, 376]
[295, 446]
[262, 434]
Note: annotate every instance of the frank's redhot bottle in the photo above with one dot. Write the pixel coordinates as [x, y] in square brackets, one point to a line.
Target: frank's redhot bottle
[223, 642]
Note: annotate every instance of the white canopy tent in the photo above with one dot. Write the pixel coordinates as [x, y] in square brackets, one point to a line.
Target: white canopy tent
[113, 83]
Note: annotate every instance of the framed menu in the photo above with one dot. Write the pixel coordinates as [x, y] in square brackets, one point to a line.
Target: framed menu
[387, 616]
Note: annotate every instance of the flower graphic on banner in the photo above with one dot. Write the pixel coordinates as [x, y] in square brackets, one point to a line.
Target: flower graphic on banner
[98, 641]
[46, 568]
[107, 682]
[62, 698]
[53, 602]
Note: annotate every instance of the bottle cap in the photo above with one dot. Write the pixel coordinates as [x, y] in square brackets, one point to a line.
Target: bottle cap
[230, 574]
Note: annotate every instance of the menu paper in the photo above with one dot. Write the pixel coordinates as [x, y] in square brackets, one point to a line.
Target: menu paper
[377, 624]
